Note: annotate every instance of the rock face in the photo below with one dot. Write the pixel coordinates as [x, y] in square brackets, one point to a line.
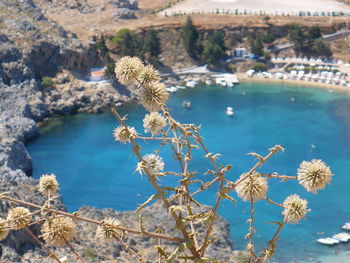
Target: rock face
[31, 47]
[92, 250]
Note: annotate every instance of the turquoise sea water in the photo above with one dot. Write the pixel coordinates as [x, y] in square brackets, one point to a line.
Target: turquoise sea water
[94, 170]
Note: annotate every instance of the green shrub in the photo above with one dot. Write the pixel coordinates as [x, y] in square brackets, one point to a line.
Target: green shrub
[47, 82]
[260, 66]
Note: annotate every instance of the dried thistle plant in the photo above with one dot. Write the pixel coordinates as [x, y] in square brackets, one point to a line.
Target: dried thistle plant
[58, 231]
[48, 184]
[19, 217]
[59, 226]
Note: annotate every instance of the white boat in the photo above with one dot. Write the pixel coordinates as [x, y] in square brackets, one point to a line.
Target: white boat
[229, 84]
[191, 83]
[328, 241]
[229, 111]
[171, 89]
[342, 237]
[221, 81]
[346, 226]
[208, 82]
[180, 87]
[186, 104]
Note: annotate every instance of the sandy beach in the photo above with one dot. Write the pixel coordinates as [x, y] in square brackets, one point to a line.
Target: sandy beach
[329, 87]
[269, 6]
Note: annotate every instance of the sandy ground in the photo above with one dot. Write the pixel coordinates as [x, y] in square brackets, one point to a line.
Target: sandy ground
[306, 84]
[269, 6]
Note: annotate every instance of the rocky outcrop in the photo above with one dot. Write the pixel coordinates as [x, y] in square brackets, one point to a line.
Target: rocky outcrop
[86, 244]
[33, 46]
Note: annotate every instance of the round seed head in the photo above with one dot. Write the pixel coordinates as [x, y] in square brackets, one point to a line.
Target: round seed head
[153, 95]
[127, 69]
[3, 229]
[58, 230]
[254, 187]
[148, 75]
[154, 123]
[107, 231]
[121, 134]
[19, 217]
[154, 163]
[314, 175]
[48, 184]
[295, 208]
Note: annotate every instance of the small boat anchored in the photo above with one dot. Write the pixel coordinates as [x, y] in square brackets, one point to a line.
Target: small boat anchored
[229, 111]
[186, 104]
[328, 241]
[346, 226]
[342, 237]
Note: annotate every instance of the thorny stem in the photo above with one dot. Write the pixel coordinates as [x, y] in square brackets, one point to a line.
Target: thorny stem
[283, 177]
[274, 238]
[273, 202]
[257, 165]
[218, 198]
[51, 254]
[129, 249]
[150, 234]
[184, 166]
[179, 223]
[251, 226]
[205, 186]
[154, 138]
[74, 251]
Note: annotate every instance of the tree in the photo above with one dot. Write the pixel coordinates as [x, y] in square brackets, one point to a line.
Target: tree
[303, 38]
[314, 32]
[214, 49]
[126, 42]
[256, 45]
[101, 45]
[320, 47]
[190, 37]
[152, 44]
[260, 66]
[296, 36]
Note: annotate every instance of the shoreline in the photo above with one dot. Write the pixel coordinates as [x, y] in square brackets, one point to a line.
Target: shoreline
[304, 83]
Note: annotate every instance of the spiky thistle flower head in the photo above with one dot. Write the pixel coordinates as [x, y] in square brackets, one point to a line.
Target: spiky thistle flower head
[107, 231]
[152, 95]
[48, 184]
[127, 69]
[148, 74]
[59, 230]
[19, 217]
[3, 229]
[154, 123]
[314, 175]
[295, 208]
[252, 188]
[121, 133]
[152, 162]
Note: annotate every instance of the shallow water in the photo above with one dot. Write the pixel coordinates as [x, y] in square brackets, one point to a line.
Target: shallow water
[93, 170]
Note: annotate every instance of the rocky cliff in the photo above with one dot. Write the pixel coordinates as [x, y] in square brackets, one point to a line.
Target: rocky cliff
[33, 46]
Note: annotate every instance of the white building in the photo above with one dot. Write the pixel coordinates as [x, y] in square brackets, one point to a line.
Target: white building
[239, 52]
